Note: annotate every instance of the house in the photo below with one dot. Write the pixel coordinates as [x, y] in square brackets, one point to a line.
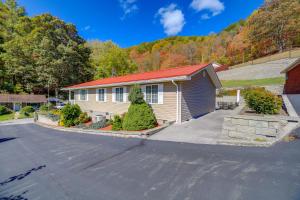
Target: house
[176, 94]
[17, 101]
[292, 83]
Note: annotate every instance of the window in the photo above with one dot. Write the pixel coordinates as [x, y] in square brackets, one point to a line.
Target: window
[72, 96]
[152, 94]
[119, 94]
[83, 95]
[101, 95]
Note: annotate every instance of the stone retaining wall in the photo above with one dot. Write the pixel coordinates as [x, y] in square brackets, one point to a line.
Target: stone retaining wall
[253, 127]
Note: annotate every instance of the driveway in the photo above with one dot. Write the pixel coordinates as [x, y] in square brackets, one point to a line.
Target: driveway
[40, 163]
[295, 101]
[270, 69]
[203, 130]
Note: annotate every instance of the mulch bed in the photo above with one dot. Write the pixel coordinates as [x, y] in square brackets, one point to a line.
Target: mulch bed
[247, 111]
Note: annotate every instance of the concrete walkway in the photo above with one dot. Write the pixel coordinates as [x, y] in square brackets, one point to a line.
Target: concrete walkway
[204, 130]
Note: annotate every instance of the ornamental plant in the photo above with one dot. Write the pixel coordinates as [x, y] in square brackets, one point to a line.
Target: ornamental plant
[27, 110]
[69, 115]
[4, 110]
[140, 115]
[263, 101]
[117, 123]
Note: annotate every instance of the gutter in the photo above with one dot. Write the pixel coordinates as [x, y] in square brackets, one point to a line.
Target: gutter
[177, 101]
[181, 78]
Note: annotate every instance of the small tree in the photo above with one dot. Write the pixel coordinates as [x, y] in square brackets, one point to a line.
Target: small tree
[136, 96]
[140, 115]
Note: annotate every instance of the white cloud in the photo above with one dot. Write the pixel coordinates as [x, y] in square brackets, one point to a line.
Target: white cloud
[128, 7]
[214, 6]
[86, 28]
[205, 16]
[172, 19]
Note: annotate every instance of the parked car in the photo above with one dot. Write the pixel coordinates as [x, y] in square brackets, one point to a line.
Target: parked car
[59, 105]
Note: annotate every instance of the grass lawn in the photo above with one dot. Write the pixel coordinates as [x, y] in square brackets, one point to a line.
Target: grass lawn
[7, 117]
[23, 116]
[254, 82]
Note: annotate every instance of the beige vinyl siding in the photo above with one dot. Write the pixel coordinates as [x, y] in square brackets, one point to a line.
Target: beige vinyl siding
[165, 111]
[198, 96]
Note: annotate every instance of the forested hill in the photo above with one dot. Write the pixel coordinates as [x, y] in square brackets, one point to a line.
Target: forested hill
[41, 52]
[273, 28]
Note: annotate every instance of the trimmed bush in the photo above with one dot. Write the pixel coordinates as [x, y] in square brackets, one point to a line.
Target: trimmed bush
[117, 123]
[83, 118]
[69, 115]
[139, 117]
[27, 110]
[4, 110]
[262, 101]
[136, 96]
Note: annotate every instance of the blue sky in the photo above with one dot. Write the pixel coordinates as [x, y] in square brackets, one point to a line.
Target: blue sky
[130, 22]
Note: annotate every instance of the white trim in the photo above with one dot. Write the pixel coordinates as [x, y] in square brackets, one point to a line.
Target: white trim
[177, 78]
[177, 103]
[113, 95]
[87, 95]
[125, 94]
[212, 74]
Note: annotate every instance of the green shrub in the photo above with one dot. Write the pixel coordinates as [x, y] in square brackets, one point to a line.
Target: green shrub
[44, 108]
[117, 123]
[83, 118]
[4, 110]
[69, 115]
[262, 101]
[139, 117]
[136, 96]
[27, 110]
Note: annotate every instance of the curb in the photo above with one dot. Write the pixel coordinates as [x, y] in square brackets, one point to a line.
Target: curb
[129, 134]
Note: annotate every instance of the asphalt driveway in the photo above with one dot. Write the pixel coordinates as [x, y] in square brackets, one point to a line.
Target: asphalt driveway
[295, 101]
[203, 130]
[40, 163]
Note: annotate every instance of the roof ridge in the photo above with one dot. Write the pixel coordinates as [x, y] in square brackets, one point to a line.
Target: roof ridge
[155, 71]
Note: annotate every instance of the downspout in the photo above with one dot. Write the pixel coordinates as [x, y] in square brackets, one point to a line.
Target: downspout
[177, 101]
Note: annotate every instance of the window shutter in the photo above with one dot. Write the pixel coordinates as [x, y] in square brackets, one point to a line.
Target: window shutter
[125, 94]
[97, 94]
[160, 94]
[113, 94]
[143, 87]
[105, 95]
[87, 95]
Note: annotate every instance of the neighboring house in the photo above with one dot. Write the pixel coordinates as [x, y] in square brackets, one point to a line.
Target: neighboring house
[176, 94]
[292, 83]
[17, 101]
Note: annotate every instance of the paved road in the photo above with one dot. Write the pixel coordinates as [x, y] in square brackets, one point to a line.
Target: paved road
[39, 163]
[260, 71]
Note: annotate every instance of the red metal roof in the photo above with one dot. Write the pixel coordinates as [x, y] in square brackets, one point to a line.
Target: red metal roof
[160, 74]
